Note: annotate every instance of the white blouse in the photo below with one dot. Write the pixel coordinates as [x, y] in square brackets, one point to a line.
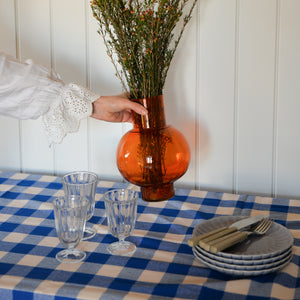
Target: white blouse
[29, 90]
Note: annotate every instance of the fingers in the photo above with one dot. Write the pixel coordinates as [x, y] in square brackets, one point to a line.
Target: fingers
[116, 109]
[128, 104]
[136, 107]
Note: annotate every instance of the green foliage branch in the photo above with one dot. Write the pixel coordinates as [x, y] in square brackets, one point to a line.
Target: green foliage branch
[140, 39]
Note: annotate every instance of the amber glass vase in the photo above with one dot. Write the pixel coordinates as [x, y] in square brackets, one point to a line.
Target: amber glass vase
[153, 155]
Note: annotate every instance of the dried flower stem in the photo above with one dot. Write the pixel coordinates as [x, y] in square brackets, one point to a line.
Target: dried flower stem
[138, 36]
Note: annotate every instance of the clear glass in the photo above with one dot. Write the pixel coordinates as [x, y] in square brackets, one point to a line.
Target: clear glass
[121, 211]
[70, 217]
[84, 184]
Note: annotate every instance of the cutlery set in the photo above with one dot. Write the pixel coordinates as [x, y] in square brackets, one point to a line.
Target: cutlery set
[225, 237]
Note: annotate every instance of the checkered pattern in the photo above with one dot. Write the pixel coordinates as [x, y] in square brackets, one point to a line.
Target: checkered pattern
[163, 265]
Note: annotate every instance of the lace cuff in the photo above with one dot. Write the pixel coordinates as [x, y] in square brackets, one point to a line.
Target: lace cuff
[65, 114]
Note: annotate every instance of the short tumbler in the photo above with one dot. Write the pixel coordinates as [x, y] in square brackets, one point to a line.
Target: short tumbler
[121, 211]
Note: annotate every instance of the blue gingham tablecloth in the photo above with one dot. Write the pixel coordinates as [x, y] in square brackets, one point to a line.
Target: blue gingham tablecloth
[163, 267]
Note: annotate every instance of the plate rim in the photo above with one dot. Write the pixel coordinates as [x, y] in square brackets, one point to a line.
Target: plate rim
[232, 219]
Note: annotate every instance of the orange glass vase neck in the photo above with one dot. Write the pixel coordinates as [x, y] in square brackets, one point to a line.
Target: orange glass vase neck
[153, 155]
[155, 118]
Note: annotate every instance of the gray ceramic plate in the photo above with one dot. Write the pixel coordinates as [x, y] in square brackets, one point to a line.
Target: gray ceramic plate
[242, 262]
[244, 267]
[235, 272]
[274, 243]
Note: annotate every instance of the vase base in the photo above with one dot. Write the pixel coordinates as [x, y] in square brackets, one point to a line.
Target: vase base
[157, 192]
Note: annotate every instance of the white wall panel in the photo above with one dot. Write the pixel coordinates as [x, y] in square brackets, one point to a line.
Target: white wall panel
[288, 164]
[69, 60]
[35, 43]
[9, 144]
[102, 77]
[256, 73]
[216, 93]
[180, 93]
[7, 27]
[104, 137]
[9, 127]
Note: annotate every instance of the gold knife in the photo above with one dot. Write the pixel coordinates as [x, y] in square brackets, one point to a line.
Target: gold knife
[203, 239]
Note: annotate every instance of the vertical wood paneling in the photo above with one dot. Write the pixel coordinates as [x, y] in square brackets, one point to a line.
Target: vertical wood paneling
[7, 27]
[69, 57]
[216, 93]
[288, 164]
[34, 43]
[9, 144]
[256, 73]
[180, 93]
[232, 90]
[104, 137]
[9, 141]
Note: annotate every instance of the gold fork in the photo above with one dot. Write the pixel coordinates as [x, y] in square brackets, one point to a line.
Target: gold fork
[229, 240]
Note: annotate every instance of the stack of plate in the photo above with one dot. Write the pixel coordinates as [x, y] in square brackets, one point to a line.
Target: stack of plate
[257, 255]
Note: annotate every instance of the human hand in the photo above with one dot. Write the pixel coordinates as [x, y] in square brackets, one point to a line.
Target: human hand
[116, 108]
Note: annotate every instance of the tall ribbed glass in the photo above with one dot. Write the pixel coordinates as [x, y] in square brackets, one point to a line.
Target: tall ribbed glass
[121, 212]
[70, 217]
[82, 184]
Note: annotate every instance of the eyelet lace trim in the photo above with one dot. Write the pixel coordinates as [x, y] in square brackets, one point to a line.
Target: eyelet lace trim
[65, 114]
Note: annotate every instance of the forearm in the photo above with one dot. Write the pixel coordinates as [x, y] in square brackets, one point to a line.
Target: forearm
[29, 90]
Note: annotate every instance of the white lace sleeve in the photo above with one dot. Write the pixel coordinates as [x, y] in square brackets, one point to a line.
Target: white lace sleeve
[29, 90]
[63, 117]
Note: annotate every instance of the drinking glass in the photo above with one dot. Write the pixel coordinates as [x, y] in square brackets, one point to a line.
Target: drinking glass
[84, 184]
[121, 210]
[70, 217]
